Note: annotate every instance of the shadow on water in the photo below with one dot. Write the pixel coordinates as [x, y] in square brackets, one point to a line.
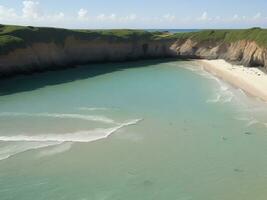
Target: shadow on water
[34, 81]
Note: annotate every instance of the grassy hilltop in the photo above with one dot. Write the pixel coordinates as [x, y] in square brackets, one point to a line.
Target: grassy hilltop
[254, 34]
[20, 36]
[12, 37]
[121, 45]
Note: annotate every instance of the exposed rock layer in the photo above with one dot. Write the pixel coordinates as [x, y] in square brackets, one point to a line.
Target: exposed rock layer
[45, 56]
[247, 53]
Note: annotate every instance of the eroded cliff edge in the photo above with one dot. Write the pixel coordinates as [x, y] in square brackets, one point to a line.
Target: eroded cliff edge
[45, 56]
[31, 49]
[244, 52]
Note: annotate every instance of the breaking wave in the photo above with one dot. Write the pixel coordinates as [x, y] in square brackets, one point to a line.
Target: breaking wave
[60, 115]
[250, 120]
[22, 143]
[223, 93]
[222, 97]
[16, 148]
[80, 136]
[93, 108]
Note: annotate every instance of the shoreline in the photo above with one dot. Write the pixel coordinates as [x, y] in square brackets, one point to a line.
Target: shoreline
[250, 79]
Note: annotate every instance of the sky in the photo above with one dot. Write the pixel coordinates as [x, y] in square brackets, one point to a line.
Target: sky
[141, 14]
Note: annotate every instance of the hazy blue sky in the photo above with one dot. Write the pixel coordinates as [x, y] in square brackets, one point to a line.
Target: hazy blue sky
[135, 13]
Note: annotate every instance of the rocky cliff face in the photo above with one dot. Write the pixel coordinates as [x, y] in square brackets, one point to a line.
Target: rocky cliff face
[49, 55]
[247, 53]
[45, 56]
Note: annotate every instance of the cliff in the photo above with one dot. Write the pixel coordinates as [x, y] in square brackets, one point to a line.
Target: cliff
[31, 49]
[245, 47]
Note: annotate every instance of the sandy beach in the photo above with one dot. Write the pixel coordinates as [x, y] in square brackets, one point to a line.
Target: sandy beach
[250, 79]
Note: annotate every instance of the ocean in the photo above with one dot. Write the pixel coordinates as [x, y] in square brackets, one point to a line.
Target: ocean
[148, 130]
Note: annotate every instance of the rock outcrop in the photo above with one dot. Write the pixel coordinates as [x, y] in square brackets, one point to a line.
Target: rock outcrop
[52, 56]
[247, 53]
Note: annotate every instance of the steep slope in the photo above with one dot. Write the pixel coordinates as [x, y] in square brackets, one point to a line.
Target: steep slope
[31, 49]
[246, 47]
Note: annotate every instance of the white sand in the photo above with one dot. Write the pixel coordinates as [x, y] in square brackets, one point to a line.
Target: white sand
[250, 79]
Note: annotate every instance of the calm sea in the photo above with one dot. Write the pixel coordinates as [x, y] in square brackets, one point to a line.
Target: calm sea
[150, 130]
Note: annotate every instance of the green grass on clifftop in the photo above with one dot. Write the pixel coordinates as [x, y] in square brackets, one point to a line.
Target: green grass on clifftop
[12, 37]
[254, 34]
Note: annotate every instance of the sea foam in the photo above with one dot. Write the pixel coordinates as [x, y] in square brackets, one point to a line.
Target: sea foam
[26, 142]
[60, 115]
[93, 108]
[16, 148]
[79, 136]
[223, 93]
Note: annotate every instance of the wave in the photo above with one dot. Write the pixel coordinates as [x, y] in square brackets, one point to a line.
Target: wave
[13, 149]
[250, 120]
[80, 136]
[223, 93]
[214, 100]
[92, 108]
[222, 97]
[60, 115]
[22, 143]
[192, 69]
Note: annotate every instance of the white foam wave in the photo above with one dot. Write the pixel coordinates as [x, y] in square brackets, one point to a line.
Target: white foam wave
[214, 100]
[13, 149]
[228, 96]
[201, 71]
[223, 93]
[192, 69]
[252, 122]
[222, 97]
[80, 136]
[92, 108]
[59, 115]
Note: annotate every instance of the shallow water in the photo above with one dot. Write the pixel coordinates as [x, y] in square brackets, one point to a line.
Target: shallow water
[143, 130]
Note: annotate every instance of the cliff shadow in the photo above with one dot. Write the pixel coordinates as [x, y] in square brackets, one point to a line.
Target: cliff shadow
[23, 83]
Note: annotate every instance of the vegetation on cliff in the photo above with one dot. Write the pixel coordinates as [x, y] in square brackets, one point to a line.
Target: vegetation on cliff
[53, 48]
[12, 37]
[254, 34]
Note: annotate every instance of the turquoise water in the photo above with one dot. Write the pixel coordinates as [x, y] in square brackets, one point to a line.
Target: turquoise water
[147, 130]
